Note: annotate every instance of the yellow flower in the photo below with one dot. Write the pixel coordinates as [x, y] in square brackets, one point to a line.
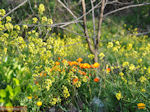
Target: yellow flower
[25, 26]
[54, 101]
[125, 64]
[141, 105]
[91, 56]
[39, 103]
[124, 79]
[8, 18]
[17, 27]
[50, 21]
[132, 67]
[29, 97]
[1, 27]
[101, 55]
[9, 26]
[117, 43]
[110, 44]
[5, 50]
[143, 90]
[78, 84]
[115, 49]
[129, 47]
[121, 74]
[66, 92]
[41, 8]
[44, 19]
[49, 84]
[35, 20]
[142, 79]
[85, 79]
[118, 95]
[148, 70]
[2, 12]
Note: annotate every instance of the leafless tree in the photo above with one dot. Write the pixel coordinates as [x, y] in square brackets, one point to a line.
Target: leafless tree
[93, 42]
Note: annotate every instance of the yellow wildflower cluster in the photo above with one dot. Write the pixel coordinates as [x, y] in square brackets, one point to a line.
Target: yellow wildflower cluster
[66, 92]
[41, 8]
[48, 82]
[2, 12]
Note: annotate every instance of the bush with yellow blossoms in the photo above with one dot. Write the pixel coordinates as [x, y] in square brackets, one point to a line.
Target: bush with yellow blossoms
[45, 84]
[49, 71]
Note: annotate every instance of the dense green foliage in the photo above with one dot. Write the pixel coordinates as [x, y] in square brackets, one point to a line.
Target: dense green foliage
[44, 71]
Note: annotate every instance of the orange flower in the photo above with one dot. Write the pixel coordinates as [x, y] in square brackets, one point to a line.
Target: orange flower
[83, 73]
[59, 58]
[45, 74]
[141, 106]
[41, 74]
[79, 60]
[75, 80]
[59, 70]
[95, 65]
[57, 63]
[108, 70]
[36, 82]
[85, 65]
[72, 63]
[96, 79]
[75, 63]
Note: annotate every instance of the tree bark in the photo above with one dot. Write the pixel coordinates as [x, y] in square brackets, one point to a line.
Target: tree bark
[99, 31]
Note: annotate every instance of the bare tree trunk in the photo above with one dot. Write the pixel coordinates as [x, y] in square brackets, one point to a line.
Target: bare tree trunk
[85, 28]
[94, 50]
[99, 31]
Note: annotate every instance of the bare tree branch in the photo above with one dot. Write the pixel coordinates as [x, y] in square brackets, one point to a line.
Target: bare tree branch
[96, 6]
[53, 25]
[126, 7]
[69, 12]
[67, 8]
[100, 23]
[93, 19]
[121, 3]
[99, 31]
[14, 9]
[85, 27]
[30, 6]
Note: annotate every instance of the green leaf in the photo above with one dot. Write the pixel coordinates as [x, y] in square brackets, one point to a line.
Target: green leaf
[2, 93]
[8, 75]
[8, 104]
[16, 81]
[10, 90]
[2, 101]
[17, 90]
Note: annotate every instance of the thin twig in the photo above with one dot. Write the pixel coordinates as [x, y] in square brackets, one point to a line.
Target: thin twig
[30, 7]
[75, 17]
[53, 25]
[96, 6]
[67, 8]
[126, 7]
